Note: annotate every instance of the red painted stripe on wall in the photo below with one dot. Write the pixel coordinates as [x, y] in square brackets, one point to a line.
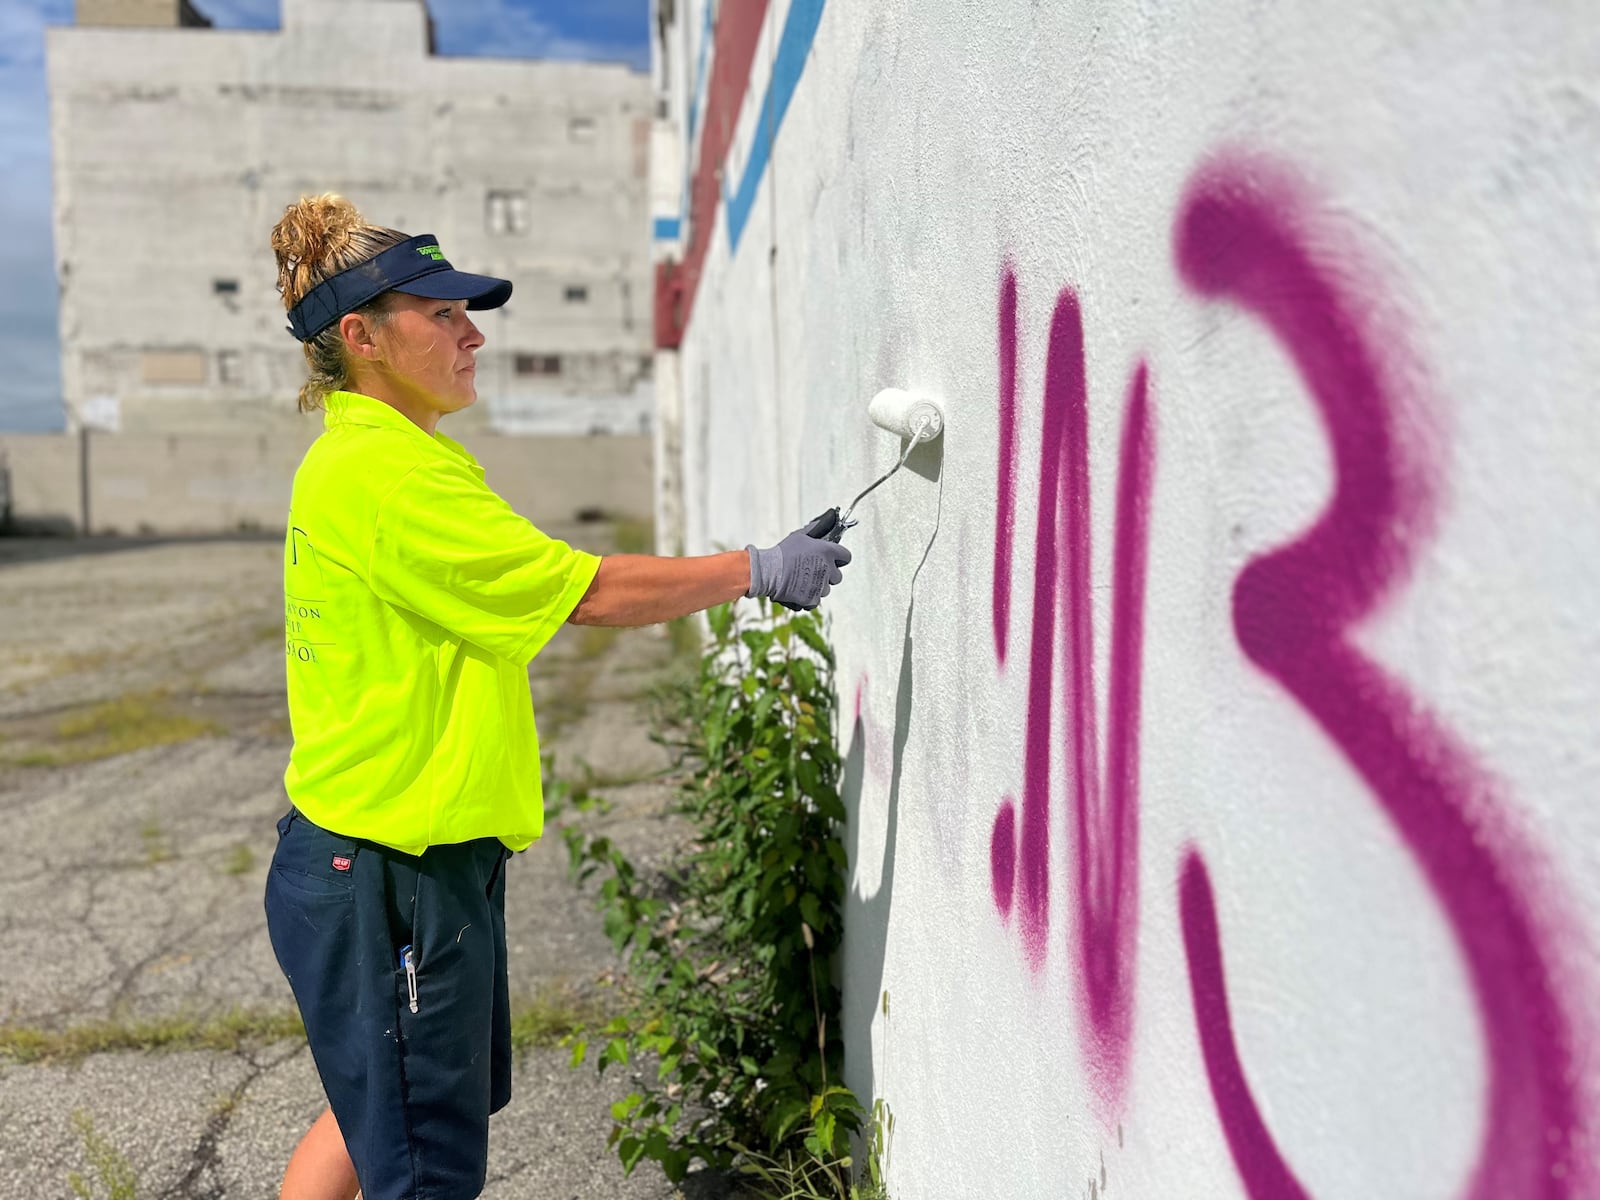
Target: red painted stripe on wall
[738, 29]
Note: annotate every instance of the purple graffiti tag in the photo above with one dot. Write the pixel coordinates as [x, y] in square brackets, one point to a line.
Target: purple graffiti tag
[1250, 1143]
[1031, 878]
[1003, 856]
[1005, 509]
[1240, 237]
[1107, 812]
[1064, 387]
[1103, 816]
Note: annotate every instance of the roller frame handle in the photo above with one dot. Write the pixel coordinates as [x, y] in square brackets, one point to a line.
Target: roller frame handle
[828, 527]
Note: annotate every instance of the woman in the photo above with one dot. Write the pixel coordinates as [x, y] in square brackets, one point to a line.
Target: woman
[414, 599]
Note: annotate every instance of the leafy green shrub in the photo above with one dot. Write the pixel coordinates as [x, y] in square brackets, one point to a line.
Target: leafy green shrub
[731, 1010]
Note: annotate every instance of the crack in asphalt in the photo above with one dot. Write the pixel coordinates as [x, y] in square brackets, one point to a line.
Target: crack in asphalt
[206, 1157]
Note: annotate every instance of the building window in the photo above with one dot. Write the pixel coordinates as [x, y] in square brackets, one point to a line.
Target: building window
[230, 366]
[225, 287]
[577, 293]
[506, 212]
[538, 364]
[172, 366]
[581, 129]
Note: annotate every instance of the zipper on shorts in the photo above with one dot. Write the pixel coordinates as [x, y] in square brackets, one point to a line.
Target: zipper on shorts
[408, 960]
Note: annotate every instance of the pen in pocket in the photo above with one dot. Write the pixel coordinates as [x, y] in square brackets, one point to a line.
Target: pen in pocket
[408, 962]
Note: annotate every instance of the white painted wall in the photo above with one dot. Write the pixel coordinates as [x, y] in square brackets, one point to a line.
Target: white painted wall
[1397, 819]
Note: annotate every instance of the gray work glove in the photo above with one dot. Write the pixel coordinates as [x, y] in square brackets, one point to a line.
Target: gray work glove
[800, 570]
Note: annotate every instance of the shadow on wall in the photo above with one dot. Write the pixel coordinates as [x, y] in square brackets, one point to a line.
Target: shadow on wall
[866, 919]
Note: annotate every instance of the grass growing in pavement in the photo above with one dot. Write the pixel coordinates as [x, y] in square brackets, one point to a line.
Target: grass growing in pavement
[554, 1012]
[239, 861]
[230, 1031]
[155, 845]
[133, 722]
[112, 1170]
[224, 1104]
[550, 1015]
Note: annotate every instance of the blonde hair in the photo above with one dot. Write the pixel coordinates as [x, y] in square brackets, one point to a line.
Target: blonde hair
[318, 237]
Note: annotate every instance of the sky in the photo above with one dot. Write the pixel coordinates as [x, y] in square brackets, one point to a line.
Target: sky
[604, 30]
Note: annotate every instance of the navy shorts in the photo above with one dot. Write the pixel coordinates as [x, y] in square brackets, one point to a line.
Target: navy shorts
[413, 1061]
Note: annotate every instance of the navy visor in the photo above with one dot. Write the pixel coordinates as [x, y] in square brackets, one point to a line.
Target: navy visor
[416, 267]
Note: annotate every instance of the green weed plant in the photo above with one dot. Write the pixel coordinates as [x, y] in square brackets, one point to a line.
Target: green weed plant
[730, 1018]
[114, 1177]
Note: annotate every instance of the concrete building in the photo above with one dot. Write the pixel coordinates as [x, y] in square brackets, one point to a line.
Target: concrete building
[1220, 708]
[176, 147]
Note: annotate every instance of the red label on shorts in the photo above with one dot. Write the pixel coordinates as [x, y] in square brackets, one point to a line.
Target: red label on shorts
[341, 863]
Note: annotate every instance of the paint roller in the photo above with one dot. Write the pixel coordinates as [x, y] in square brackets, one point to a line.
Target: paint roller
[913, 416]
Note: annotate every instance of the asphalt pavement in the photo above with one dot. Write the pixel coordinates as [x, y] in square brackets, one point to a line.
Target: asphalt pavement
[143, 736]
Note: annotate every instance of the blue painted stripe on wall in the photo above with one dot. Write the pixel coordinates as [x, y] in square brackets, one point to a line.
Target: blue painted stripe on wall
[696, 95]
[794, 48]
[666, 228]
[699, 81]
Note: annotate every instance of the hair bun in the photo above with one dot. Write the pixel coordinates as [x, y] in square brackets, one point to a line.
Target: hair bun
[310, 240]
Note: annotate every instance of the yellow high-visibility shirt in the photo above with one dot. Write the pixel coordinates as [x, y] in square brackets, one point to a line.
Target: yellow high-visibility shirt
[414, 598]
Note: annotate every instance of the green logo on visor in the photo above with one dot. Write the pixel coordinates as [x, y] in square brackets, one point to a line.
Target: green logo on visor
[432, 252]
